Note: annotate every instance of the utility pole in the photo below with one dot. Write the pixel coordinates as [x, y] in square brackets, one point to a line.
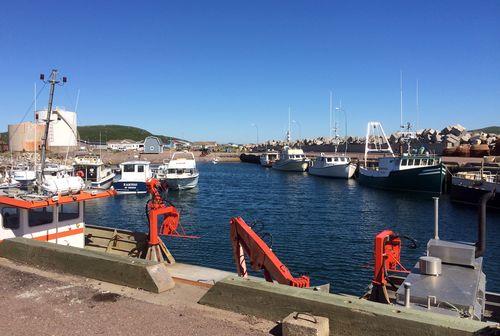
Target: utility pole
[52, 81]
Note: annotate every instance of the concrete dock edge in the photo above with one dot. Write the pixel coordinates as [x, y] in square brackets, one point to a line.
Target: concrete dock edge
[125, 271]
[348, 315]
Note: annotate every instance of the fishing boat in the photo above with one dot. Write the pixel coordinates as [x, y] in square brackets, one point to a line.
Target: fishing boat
[268, 158]
[332, 165]
[24, 174]
[412, 171]
[291, 159]
[448, 279]
[336, 165]
[180, 172]
[134, 175]
[469, 187]
[6, 181]
[215, 160]
[93, 172]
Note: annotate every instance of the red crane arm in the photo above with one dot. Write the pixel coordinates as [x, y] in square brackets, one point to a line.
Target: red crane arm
[246, 241]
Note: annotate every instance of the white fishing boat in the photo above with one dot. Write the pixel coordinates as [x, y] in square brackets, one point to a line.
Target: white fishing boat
[134, 175]
[268, 158]
[180, 172]
[291, 159]
[93, 172]
[215, 160]
[24, 174]
[332, 165]
[6, 181]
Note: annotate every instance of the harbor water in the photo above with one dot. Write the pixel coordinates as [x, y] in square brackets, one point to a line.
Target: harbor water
[317, 226]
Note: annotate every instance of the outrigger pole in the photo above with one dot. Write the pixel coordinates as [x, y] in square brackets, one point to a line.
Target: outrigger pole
[52, 81]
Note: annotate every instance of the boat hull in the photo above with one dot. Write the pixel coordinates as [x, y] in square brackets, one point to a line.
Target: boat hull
[291, 165]
[130, 187]
[470, 192]
[105, 183]
[344, 171]
[181, 183]
[427, 179]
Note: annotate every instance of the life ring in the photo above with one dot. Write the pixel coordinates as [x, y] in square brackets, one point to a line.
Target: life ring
[80, 173]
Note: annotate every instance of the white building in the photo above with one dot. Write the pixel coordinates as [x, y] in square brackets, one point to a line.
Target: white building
[125, 145]
[63, 127]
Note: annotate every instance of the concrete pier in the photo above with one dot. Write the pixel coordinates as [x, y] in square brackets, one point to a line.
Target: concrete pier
[348, 315]
[131, 272]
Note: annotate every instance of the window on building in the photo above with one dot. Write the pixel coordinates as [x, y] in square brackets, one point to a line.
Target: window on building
[410, 162]
[40, 216]
[336, 159]
[68, 211]
[10, 218]
[140, 169]
[129, 168]
[424, 162]
[404, 162]
[417, 162]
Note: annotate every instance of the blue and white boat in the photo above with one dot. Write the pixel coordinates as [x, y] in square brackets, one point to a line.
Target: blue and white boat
[92, 170]
[134, 175]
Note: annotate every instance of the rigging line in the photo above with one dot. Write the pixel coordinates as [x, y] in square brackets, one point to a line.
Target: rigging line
[27, 111]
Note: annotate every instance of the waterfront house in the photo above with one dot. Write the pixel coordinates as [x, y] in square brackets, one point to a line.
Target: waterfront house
[153, 145]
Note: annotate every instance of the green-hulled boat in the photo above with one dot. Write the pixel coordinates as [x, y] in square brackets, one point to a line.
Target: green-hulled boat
[419, 173]
[409, 172]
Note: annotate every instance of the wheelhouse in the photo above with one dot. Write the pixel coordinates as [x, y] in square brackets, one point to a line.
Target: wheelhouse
[57, 219]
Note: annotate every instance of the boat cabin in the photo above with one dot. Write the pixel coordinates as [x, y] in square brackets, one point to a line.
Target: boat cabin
[57, 219]
[180, 163]
[407, 162]
[292, 153]
[88, 167]
[135, 170]
[332, 159]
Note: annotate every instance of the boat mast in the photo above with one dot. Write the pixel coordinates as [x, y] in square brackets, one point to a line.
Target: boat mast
[418, 109]
[36, 126]
[52, 81]
[289, 135]
[331, 107]
[401, 99]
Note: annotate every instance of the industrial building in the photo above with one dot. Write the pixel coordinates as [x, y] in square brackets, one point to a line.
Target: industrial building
[27, 136]
[62, 129]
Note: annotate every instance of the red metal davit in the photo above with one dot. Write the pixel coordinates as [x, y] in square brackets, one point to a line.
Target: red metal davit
[246, 241]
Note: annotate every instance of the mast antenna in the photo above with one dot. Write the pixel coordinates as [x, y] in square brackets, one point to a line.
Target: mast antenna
[331, 107]
[401, 98]
[418, 108]
[289, 135]
[52, 81]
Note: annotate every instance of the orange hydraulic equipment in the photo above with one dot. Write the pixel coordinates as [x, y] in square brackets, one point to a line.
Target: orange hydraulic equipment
[159, 210]
[387, 258]
[246, 241]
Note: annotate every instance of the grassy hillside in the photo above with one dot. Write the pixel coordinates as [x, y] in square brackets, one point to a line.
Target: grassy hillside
[490, 129]
[108, 132]
[115, 132]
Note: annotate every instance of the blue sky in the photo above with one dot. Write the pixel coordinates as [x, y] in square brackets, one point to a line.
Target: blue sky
[207, 70]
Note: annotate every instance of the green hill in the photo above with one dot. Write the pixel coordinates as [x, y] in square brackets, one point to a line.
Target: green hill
[109, 132]
[490, 129]
[115, 132]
